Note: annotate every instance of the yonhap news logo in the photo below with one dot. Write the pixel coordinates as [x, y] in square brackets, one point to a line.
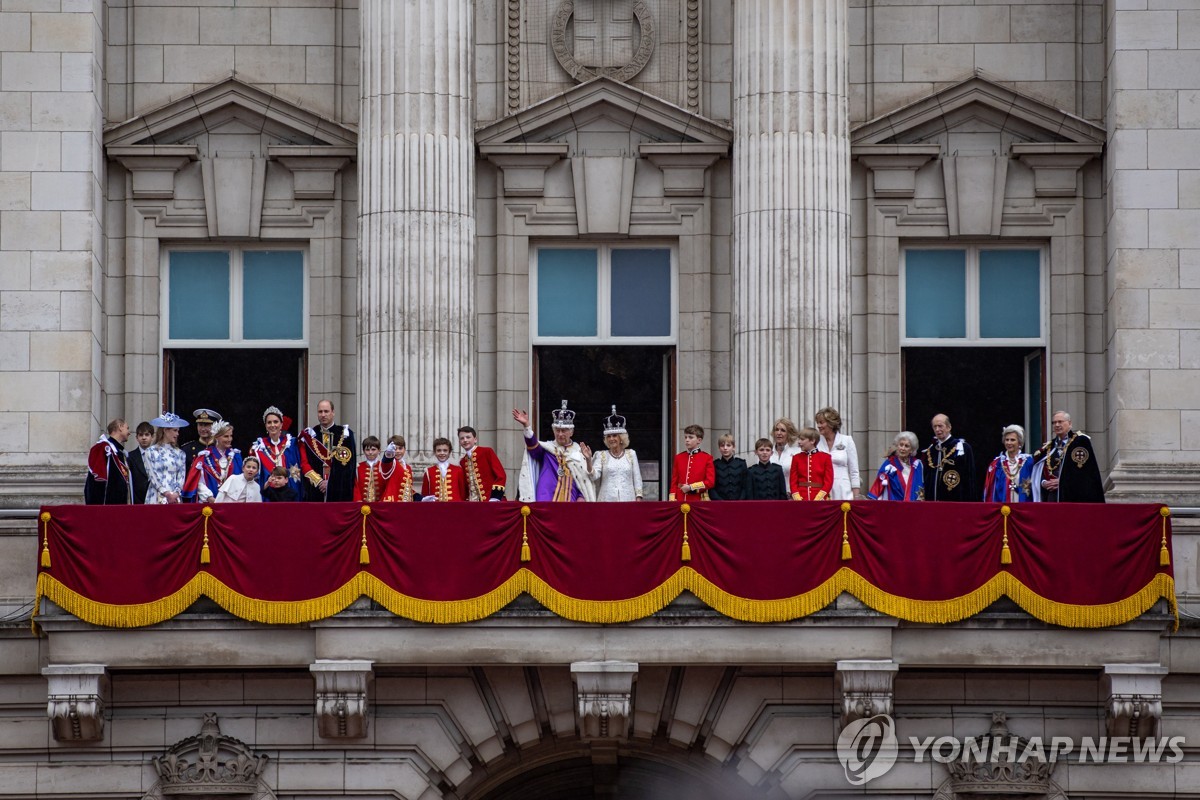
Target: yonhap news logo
[868, 748]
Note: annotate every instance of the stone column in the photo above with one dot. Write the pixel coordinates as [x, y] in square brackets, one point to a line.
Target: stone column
[791, 207]
[416, 231]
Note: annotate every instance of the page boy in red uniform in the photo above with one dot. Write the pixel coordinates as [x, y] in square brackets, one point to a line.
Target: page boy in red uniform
[812, 470]
[398, 473]
[444, 482]
[692, 473]
[369, 483]
[486, 477]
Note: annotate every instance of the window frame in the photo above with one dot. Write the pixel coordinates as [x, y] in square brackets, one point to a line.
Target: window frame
[604, 252]
[972, 338]
[236, 297]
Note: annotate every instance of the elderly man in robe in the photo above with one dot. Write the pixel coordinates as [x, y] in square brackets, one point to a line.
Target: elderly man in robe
[555, 471]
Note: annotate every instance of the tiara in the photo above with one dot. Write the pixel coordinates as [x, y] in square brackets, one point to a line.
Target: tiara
[563, 417]
[614, 423]
[272, 410]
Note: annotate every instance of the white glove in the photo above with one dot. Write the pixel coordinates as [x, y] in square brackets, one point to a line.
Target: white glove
[390, 450]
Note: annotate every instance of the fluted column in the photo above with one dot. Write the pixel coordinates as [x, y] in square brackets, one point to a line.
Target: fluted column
[791, 204]
[416, 228]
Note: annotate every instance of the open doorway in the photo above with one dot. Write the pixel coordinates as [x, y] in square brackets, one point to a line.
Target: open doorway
[639, 380]
[981, 390]
[239, 384]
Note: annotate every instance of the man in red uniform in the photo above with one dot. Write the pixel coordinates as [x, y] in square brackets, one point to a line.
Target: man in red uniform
[369, 484]
[692, 473]
[444, 482]
[812, 470]
[486, 477]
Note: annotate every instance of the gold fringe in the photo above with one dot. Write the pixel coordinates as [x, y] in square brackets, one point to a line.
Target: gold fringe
[845, 531]
[45, 518]
[686, 553]
[526, 555]
[1005, 552]
[364, 556]
[1164, 555]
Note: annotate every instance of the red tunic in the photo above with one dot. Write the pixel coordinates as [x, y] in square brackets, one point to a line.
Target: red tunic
[812, 475]
[454, 488]
[486, 477]
[369, 484]
[697, 471]
[399, 481]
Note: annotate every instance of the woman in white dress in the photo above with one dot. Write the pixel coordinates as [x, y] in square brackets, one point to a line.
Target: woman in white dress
[616, 469]
[165, 462]
[846, 481]
[786, 437]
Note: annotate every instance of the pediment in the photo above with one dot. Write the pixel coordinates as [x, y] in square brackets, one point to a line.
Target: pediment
[603, 105]
[977, 106]
[230, 107]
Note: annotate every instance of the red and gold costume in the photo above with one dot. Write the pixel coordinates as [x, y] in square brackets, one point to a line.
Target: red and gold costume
[486, 477]
[453, 488]
[812, 475]
[398, 477]
[694, 468]
[369, 484]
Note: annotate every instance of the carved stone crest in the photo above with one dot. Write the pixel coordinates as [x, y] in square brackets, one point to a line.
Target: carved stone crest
[209, 764]
[564, 51]
[999, 772]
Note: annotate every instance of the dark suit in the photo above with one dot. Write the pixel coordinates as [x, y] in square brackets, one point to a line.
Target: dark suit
[137, 470]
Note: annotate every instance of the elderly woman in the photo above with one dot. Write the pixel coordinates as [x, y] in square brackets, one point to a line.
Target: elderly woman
[786, 437]
[213, 466]
[1010, 475]
[616, 470]
[846, 481]
[277, 449]
[900, 476]
[165, 462]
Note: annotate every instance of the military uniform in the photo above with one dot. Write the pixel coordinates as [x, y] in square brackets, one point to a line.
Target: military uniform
[730, 479]
[194, 448]
[766, 482]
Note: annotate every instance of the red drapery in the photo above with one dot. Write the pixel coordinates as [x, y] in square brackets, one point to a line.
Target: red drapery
[1075, 565]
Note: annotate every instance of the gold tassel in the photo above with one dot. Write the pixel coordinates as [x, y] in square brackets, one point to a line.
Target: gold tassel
[1164, 555]
[845, 532]
[686, 554]
[45, 517]
[205, 555]
[364, 557]
[1005, 553]
[525, 554]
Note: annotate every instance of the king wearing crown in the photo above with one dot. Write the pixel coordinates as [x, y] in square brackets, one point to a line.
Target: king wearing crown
[555, 471]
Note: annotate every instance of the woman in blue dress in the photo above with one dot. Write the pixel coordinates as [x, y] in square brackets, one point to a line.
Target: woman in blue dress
[278, 449]
[1009, 476]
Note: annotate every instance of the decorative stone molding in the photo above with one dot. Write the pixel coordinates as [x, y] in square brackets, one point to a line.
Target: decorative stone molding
[524, 166]
[314, 169]
[683, 165]
[693, 55]
[341, 697]
[209, 764]
[76, 701]
[603, 193]
[585, 72]
[998, 772]
[513, 54]
[1056, 165]
[604, 690]
[866, 688]
[153, 167]
[894, 166]
[1134, 704]
[974, 193]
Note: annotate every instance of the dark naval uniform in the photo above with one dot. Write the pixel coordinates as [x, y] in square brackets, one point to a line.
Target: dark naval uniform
[766, 482]
[731, 479]
[1072, 460]
[949, 470]
[328, 454]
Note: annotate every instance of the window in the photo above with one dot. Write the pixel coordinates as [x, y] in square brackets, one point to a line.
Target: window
[973, 295]
[234, 297]
[604, 293]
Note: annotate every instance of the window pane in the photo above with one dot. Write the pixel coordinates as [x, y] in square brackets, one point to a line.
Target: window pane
[1010, 296]
[566, 298]
[273, 294]
[935, 294]
[641, 292]
[199, 295]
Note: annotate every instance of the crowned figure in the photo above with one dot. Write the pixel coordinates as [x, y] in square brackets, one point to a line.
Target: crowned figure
[556, 470]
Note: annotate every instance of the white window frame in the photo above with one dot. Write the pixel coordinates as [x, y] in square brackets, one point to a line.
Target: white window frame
[236, 318]
[604, 290]
[973, 339]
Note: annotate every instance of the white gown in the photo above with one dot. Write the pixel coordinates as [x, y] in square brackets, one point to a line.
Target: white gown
[619, 479]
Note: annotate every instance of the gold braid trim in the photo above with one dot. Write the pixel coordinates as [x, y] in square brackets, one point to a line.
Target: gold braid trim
[1162, 586]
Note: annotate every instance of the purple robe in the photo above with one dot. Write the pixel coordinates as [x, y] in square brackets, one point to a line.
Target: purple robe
[545, 468]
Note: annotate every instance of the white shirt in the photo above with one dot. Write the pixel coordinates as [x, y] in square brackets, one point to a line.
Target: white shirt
[784, 459]
[236, 489]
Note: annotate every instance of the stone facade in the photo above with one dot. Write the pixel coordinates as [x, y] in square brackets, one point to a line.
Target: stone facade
[419, 154]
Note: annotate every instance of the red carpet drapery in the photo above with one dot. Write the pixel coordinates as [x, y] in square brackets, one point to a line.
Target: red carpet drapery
[1073, 565]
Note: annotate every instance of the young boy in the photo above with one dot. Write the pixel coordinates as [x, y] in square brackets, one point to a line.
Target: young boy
[242, 488]
[485, 474]
[369, 482]
[730, 472]
[692, 473]
[137, 463]
[812, 470]
[444, 482]
[764, 480]
[278, 489]
[397, 473]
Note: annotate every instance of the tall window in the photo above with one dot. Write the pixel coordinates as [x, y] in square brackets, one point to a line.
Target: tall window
[974, 295]
[234, 297]
[604, 294]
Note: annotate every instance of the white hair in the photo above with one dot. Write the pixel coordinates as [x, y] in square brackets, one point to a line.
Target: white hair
[907, 436]
[1064, 413]
[1017, 429]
